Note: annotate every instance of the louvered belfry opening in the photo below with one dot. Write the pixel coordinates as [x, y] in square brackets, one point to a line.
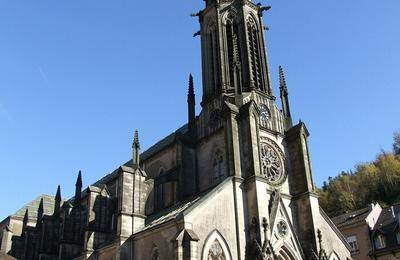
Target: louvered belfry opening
[255, 55]
[214, 69]
[234, 54]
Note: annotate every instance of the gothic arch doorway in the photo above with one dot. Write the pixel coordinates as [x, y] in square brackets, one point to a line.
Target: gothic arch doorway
[216, 248]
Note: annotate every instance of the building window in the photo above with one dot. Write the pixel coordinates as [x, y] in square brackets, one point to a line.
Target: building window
[380, 241]
[352, 240]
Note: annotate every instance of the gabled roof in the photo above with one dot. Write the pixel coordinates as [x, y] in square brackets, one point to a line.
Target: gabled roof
[182, 208]
[388, 219]
[352, 217]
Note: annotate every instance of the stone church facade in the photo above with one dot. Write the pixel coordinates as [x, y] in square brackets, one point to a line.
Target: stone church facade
[234, 183]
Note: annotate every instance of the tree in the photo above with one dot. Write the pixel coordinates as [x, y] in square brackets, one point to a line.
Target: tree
[376, 181]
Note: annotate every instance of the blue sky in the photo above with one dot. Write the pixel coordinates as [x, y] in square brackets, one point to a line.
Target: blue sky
[78, 77]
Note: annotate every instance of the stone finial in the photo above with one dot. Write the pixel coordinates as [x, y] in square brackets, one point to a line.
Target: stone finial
[136, 150]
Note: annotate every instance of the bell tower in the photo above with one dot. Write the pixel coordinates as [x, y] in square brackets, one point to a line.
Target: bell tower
[233, 54]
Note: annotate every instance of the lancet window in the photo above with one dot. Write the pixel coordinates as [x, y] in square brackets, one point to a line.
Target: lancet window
[214, 71]
[234, 54]
[255, 54]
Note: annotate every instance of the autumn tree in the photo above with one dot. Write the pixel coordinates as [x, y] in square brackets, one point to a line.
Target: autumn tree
[376, 181]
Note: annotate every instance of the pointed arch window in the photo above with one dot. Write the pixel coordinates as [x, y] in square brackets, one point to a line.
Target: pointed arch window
[218, 172]
[255, 54]
[234, 54]
[213, 47]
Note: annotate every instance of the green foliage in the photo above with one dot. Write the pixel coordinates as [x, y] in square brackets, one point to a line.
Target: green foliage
[377, 181]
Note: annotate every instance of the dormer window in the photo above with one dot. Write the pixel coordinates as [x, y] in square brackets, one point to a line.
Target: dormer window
[380, 241]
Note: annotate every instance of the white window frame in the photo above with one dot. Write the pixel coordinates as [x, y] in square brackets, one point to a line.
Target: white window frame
[352, 241]
[380, 241]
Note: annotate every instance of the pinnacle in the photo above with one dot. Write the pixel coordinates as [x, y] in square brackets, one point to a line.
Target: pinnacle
[26, 216]
[282, 80]
[79, 180]
[58, 194]
[136, 143]
[41, 209]
[191, 85]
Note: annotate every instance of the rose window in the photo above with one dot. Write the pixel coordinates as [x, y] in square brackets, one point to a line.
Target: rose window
[272, 164]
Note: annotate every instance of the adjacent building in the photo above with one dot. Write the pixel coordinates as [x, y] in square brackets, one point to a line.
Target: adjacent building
[372, 232]
[234, 183]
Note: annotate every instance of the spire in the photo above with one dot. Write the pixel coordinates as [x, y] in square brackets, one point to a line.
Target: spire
[57, 202]
[284, 97]
[26, 219]
[40, 213]
[78, 189]
[191, 104]
[136, 151]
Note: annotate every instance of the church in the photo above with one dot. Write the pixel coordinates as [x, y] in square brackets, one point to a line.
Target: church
[234, 183]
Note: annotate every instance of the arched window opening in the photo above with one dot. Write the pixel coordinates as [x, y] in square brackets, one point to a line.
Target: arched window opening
[255, 54]
[218, 172]
[214, 71]
[234, 54]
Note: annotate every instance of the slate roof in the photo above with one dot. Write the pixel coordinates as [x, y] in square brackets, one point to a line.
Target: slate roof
[352, 217]
[48, 207]
[388, 218]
